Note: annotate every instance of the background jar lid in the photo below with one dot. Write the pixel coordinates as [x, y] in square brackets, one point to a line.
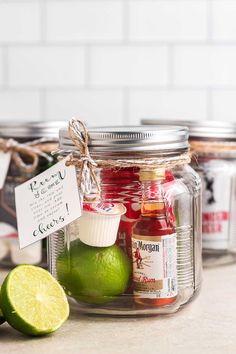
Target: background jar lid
[30, 129]
[200, 129]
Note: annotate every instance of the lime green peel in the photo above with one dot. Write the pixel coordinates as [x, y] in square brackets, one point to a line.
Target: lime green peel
[32, 301]
[94, 275]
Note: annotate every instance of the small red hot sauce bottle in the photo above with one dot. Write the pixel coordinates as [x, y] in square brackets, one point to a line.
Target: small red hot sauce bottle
[154, 245]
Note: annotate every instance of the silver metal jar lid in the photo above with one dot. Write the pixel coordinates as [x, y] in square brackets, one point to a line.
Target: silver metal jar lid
[131, 138]
[200, 129]
[29, 130]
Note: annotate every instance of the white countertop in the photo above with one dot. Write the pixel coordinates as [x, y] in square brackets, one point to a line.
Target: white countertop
[207, 325]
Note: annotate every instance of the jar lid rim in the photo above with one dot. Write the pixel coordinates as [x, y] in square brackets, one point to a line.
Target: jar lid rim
[26, 129]
[131, 138]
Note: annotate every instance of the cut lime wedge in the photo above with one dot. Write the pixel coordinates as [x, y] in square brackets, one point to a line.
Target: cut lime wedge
[32, 301]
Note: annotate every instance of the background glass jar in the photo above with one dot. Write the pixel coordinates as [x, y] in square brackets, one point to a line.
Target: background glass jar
[214, 148]
[138, 249]
[40, 135]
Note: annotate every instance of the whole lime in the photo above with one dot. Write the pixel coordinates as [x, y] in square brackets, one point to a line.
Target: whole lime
[93, 275]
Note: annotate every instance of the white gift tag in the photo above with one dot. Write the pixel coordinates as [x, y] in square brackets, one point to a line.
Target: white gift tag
[5, 158]
[46, 203]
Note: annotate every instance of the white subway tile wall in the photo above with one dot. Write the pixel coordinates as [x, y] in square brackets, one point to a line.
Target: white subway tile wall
[43, 66]
[223, 20]
[168, 21]
[106, 106]
[19, 23]
[205, 66]
[20, 105]
[169, 104]
[1, 68]
[224, 104]
[117, 61]
[129, 66]
[84, 21]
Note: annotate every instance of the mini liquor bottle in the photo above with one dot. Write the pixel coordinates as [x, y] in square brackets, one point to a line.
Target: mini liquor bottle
[154, 245]
[123, 184]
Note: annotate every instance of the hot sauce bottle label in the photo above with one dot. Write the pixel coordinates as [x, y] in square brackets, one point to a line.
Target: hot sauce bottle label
[154, 266]
[216, 181]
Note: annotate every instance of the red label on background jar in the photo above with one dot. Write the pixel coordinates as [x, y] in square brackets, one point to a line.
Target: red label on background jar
[217, 183]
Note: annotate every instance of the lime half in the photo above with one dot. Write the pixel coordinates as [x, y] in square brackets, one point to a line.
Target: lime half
[32, 301]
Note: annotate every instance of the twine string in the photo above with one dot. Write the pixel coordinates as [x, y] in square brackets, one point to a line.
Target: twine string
[212, 146]
[148, 163]
[78, 133]
[18, 151]
[86, 166]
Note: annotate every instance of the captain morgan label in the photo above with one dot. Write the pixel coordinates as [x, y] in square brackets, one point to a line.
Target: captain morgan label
[154, 266]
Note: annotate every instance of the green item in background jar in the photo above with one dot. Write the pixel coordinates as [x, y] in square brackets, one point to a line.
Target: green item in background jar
[32, 301]
[94, 275]
[39, 139]
[2, 318]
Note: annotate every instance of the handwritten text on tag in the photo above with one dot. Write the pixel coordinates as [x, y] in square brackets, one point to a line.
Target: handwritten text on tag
[46, 203]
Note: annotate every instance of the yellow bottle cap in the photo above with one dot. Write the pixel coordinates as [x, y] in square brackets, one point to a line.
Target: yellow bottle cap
[152, 175]
[152, 206]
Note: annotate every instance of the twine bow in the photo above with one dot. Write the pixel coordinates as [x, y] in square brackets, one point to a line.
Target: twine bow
[18, 150]
[86, 166]
[78, 133]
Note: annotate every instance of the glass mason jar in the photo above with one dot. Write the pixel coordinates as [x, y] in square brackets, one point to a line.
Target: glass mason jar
[42, 136]
[136, 249]
[214, 148]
